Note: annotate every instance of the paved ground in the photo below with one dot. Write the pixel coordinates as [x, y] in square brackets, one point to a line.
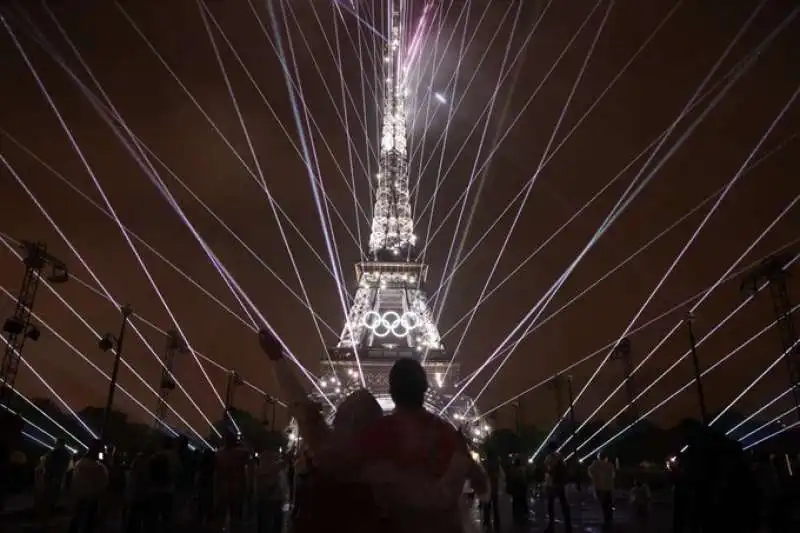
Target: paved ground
[586, 518]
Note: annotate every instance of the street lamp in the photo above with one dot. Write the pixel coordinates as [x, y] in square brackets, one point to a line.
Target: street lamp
[110, 342]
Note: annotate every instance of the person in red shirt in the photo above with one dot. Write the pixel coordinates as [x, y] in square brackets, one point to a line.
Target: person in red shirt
[411, 437]
[369, 468]
[417, 443]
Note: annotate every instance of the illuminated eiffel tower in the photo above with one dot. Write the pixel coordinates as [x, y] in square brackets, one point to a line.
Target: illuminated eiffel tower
[390, 317]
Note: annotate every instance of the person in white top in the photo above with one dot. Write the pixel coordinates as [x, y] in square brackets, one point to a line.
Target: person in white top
[555, 481]
[89, 483]
[602, 474]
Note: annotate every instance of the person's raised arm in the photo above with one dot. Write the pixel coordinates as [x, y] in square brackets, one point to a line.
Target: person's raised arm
[287, 380]
[478, 480]
[475, 474]
[310, 422]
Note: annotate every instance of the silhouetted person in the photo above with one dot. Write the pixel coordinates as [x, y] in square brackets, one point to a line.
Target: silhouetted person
[602, 473]
[491, 508]
[723, 491]
[555, 481]
[517, 481]
[162, 473]
[184, 479]
[270, 493]
[230, 482]
[56, 463]
[89, 483]
[10, 432]
[138, 493]
[640, 503]
[205, 488]
[417, 442]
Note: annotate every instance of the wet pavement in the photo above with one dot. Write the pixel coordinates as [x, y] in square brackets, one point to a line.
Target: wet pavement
[586, 517]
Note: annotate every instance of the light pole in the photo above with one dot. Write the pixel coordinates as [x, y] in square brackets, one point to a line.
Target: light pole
[269, 401]
[696, 367]
[622, 353]
[234, 380]
[573, 429]
[109, 342]
[573, 425]
[556, 386]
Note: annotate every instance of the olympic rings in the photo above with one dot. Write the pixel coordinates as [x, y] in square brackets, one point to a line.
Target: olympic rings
[391, 322]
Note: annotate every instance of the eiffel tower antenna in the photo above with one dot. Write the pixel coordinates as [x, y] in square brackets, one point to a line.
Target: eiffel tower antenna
[390, 317]
[392, 234]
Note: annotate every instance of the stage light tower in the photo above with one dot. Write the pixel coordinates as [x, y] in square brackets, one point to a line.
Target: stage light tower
[110, 342]
[175, 344]
[18, 327]
[773, 271]
[269, 403]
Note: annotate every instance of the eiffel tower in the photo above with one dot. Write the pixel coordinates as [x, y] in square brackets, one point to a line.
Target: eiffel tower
[390, 317]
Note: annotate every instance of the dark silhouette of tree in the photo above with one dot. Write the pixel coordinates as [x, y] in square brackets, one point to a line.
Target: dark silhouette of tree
[254, 432]
[503, 442]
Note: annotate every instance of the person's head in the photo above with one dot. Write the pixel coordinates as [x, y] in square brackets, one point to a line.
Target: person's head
[269, 456]
[357, 411]
[167, 443]
[95, 449]
[231, 439]
[408, 384]
[11, 426]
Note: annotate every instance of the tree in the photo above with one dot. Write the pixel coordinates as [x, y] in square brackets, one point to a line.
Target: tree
[503, 442]
[529, 439]
[255, 433]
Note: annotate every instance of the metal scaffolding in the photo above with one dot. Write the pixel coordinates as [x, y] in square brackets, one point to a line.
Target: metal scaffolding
[774, 271]
[175, 344]
[18, 328]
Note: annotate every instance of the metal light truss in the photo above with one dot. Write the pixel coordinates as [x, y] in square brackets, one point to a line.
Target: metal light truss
[18, 327]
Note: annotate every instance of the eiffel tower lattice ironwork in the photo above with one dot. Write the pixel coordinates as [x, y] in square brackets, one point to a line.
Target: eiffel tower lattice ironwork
[390, 317]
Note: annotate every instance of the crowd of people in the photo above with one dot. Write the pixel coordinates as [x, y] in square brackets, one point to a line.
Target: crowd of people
[407, 471]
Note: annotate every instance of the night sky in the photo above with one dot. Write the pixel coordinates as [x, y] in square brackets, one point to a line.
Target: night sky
[198, 166]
